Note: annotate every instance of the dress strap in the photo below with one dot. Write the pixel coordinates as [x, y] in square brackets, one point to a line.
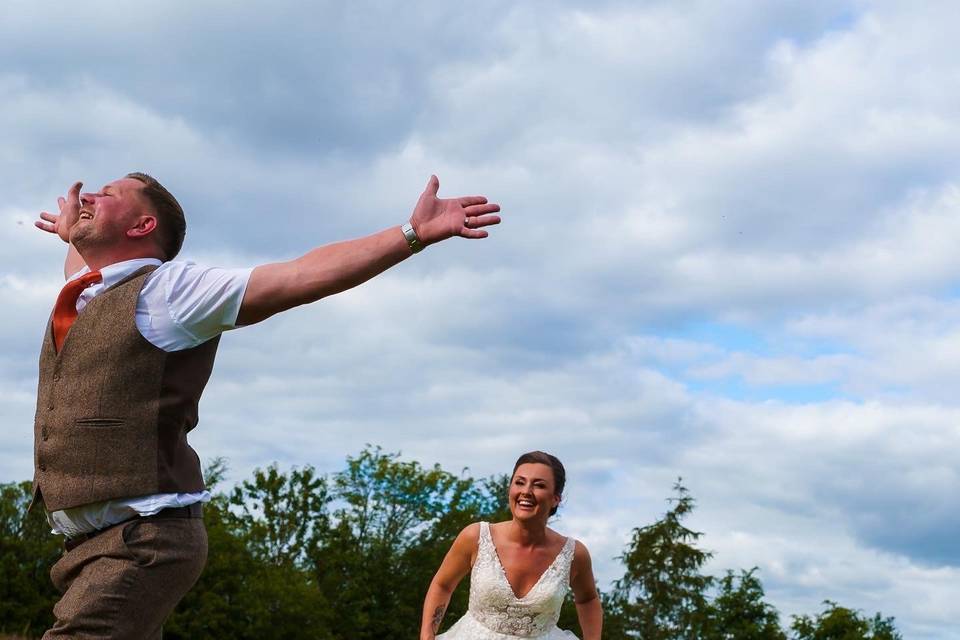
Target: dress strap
[569, 547]
[485, 541]
[485, 549]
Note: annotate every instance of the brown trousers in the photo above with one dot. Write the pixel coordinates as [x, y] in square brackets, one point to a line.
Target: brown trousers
[126, 581]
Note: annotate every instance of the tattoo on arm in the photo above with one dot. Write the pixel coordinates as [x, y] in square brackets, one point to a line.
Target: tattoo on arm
[438, 617]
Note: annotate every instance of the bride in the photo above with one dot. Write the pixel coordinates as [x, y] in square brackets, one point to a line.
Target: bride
[521, 556]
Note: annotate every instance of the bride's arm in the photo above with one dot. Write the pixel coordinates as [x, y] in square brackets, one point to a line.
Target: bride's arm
[455, 565]
[585, 596]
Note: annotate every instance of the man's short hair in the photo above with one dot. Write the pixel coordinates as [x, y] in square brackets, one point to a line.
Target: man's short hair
[171, 223]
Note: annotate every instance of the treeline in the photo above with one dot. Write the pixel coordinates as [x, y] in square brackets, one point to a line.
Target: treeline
[349, 555]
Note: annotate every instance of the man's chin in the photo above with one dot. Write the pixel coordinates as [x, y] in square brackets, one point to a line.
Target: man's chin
[78, 232]
[79, 238]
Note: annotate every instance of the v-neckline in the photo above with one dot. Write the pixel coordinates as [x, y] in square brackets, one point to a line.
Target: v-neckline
[503, 572]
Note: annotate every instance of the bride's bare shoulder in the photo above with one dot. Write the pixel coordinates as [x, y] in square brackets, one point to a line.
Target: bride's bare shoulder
[556, 538]
[468, 536]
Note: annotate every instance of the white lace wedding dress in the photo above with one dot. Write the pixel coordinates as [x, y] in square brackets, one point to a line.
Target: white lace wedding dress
[496, 613]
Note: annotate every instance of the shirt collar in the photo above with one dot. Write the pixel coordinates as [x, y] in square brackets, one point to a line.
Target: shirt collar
[114, 273]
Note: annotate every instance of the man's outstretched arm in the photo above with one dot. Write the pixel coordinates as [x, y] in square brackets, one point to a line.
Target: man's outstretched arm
[340, 266]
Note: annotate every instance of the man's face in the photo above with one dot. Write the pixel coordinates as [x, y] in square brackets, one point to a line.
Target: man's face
[105, 216]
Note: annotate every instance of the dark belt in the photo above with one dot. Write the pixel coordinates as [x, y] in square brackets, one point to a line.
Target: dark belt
[194, 510]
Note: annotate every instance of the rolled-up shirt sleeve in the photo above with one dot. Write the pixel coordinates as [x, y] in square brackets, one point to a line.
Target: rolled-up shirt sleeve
[183, 304]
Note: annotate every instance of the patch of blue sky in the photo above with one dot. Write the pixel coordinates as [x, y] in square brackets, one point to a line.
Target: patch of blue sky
[805, 24]
[726, 336]
[952, 291]
[735, 388]
[844, 20]
[759, 341]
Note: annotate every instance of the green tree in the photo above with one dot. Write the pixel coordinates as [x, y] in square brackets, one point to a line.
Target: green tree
[27, 552]
[840, 623]
[615, 622]
[662, 594]
[282, 517]
[254, 585]
[396, 521]
[738, 611]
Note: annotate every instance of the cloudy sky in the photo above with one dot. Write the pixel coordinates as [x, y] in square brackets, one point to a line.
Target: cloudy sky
[728, 253]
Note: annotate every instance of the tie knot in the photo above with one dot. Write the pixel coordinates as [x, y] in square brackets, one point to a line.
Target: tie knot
[90, 278]
[79, 284]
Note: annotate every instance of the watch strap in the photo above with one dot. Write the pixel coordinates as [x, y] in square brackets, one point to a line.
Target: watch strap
[413, 241]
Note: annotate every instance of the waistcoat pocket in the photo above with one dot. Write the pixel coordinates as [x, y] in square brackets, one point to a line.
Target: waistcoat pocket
[99, 422]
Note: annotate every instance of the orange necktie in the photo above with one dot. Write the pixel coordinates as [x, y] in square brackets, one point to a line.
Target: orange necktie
[65, 311]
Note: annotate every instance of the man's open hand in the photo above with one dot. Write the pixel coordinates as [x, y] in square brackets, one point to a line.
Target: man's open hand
[435, 219]
[69, 213]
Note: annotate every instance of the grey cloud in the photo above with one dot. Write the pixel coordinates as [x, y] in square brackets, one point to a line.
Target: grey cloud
[283, 77]
[881, 471]
[626, 74]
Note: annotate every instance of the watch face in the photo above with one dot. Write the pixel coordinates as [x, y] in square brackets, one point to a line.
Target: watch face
[411, 237]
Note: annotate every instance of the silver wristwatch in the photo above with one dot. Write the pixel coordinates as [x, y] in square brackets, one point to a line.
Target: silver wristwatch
[411, 236]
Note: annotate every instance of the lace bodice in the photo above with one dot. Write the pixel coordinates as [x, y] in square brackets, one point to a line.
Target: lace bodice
[497, 609]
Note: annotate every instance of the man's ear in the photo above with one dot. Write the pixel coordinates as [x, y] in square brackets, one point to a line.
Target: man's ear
[145, 226]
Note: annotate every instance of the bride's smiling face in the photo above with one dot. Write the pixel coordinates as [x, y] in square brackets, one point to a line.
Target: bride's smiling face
[533, 492]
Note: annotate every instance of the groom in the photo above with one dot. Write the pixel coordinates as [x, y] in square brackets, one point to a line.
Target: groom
[129, 348]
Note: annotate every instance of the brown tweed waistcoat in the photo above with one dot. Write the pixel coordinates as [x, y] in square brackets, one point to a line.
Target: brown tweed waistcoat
[113, 411]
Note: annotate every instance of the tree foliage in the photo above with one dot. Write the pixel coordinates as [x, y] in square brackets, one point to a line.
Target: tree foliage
[254, 585]
[27, 551]
[738, 611]
[840, 623]
[299, 554]
[662, 594]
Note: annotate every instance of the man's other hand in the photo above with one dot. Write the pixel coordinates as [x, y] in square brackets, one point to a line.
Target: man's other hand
[61, 223]
[435, 219]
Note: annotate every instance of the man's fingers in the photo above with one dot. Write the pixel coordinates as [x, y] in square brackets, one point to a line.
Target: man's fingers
[74, 191]
[47, 222]
[61, 201]
[466, 201]
[477, 216]
[474, 222]
[481, 209]
[433, 185]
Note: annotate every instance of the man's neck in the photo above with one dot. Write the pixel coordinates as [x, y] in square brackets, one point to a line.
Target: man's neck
[98, 261]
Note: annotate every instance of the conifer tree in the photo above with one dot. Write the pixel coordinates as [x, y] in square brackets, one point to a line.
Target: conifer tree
[662, 594]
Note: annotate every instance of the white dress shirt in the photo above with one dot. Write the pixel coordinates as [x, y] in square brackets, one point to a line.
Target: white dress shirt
[181, 305]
